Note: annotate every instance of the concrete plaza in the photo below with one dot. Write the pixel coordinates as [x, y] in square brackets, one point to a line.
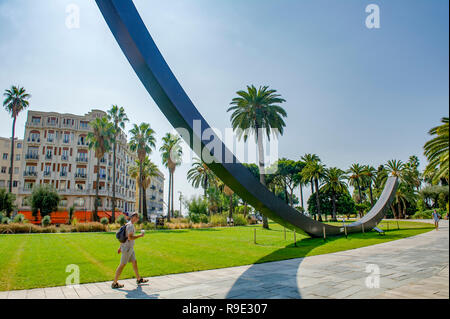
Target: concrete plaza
[415, 267]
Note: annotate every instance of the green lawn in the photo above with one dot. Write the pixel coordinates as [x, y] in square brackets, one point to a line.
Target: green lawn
[40, 260]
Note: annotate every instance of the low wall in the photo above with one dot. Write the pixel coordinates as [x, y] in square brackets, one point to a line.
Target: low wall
[63, 217]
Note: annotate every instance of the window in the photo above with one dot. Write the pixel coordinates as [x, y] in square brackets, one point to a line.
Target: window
[28, 185]
[18, 157]
[35, 120]
[79, 201]
[5, 156]
[19, 145]
[16, 170]
[51, 137]
[15, 183]
[34, 137]
[83, 124]
[3, 169]
[66, 138]
[2, 183]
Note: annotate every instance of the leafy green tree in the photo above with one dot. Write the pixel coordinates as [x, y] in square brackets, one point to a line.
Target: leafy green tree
[334, 182]
[437, 152]
[7, 202]
[16, 100]
[200, 175]
[345, 205]
[369, 177]
[142, 141]
[171, 153]
[118, 117]
[255, 111]
[100, 140]
[314, 172]
[44, 200]
[355, 178]
[288, 171]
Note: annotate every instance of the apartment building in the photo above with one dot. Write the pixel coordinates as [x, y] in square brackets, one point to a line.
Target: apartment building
[56, 152]
[5, 163]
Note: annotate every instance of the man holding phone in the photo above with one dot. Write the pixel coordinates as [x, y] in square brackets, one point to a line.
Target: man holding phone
[127, 250]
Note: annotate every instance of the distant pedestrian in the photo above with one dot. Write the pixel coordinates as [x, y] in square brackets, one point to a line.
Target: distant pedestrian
[436, 218]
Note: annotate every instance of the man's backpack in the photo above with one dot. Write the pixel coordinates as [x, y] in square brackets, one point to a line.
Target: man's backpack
[121, 234]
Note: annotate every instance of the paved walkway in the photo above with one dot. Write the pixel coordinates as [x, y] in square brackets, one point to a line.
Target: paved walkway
[415, 267]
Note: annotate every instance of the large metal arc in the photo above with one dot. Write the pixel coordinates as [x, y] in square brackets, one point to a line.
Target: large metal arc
[144, 56]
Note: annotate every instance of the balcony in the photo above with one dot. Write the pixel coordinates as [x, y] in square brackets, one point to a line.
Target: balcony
[63, 174]
[34, 123]
[102, 176]
[64, 157]
[34, 140]
[46, 173]
[82, 144]
[32, 157]
[80, 175]
[30, 174]
[50, 140]
[48, 156]
[66, 140]
[82, 159]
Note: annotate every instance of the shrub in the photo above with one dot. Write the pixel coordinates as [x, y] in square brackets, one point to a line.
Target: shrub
[6, 201]
[121, 220]
[74, 222]
[104, 221]
[46, 221]
[19, 218]
[239, 220]
[5, 220]
[198, 218]
[89, 227]
[218, 220]
[427, 214]
[44, 199]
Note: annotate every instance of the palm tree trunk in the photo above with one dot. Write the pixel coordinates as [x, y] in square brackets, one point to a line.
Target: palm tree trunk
[230, 213]
[144, 204]
[399, 212]
[113, 209]
[371, 194]
[301, 194]
[312, 192]
[334, 219]
[316, 181]
[96, 191]
[168, 199]
[12, 160]
[171, 194]
[262, 178]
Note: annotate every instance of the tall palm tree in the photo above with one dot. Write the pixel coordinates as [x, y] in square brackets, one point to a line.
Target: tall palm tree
[356, 177]
[100, 140]
[149, 171]
[16, 100]
[171, 153]
[437, 151]
[334, 181]
[309, 159]
[255, 111]
[142, 141]
[370, 174]
[395, 168]
[118, 117]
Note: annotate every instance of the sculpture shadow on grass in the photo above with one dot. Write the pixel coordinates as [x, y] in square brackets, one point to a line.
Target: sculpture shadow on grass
[274, 276]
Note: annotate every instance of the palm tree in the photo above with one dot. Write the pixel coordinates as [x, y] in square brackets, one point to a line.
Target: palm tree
[370, 174]
[142, 141]
[254, 111]
[149, 170]
[171, 153]
[199, 175]
[395, 168]
[334, 181]
[437, 151]
[356, 176]
[309, 159]
[16, 100]
[100, 140]
[118, 117]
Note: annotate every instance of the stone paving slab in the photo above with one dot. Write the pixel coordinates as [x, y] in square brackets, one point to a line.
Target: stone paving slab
[414, 267]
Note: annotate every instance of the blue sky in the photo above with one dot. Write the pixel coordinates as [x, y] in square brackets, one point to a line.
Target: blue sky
[353, 94]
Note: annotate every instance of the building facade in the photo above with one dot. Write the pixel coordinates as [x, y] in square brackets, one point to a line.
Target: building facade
[5, 164]
[56, 152]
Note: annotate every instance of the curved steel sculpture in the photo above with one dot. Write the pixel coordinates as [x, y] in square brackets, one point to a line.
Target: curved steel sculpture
[144, 56]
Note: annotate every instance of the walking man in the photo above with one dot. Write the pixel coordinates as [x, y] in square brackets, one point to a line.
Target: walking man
[127, 250]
